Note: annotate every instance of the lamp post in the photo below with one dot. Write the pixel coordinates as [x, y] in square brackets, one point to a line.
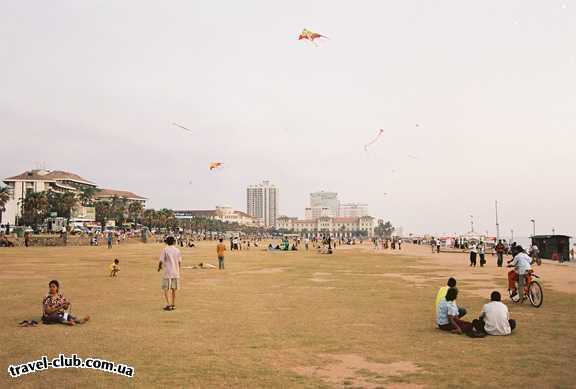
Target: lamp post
[471, 223]
[511, 236]
[533, 227]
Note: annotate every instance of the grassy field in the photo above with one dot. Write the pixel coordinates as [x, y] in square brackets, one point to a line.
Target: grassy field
[357, 318]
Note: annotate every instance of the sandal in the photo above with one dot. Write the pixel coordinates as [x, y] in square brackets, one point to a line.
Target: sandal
[167, 308]
[172, 307]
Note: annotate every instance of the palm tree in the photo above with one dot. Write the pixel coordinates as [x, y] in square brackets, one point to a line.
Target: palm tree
[4, 197]
[103, 211]
[86, 196]
[135, 211]
[34, 208]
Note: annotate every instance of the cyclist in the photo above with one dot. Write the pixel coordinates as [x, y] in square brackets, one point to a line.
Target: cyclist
[521, 264]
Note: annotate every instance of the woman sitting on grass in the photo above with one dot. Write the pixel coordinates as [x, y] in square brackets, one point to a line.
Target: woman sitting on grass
[54, 308]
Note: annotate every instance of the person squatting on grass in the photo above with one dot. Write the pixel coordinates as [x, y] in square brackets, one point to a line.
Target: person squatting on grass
[170, 260]
[495, 318]
[442, 294]
[55, 305]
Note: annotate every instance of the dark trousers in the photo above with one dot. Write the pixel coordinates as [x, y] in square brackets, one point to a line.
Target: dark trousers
[465, 326]
[482, 260]
[500, 259]
[221, 263]
[472, 259]
[479, 324]
[55, 318]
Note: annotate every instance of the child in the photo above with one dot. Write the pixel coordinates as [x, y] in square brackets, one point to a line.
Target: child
[114, 268]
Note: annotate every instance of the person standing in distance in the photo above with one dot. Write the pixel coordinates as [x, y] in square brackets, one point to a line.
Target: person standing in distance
[220, 249]
[170, 260]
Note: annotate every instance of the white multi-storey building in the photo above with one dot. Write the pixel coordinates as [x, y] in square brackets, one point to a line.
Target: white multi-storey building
[323, 204]
[224, 214]
[353, 210]
[337, 226]
[55, 181]
[262, 203]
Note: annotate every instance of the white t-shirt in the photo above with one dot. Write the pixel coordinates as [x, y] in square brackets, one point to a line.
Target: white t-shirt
[496, 317]
[171, 260]
[522, 263]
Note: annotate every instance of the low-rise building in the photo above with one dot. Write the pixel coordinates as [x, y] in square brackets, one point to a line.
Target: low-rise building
[342, 226]
[224, 214]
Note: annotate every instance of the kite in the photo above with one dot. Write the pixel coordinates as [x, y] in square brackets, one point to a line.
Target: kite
[310, 36]
[215, 165]
[182, 127]
[380, 132]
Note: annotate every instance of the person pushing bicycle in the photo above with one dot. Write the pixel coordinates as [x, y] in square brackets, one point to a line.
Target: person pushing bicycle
[521, 264]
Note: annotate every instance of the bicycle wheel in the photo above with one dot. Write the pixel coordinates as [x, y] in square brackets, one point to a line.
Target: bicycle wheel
[535, 294]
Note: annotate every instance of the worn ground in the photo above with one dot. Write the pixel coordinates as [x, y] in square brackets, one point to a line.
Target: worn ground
[358, 318]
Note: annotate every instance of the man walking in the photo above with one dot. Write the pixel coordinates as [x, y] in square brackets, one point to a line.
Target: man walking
[170, 260]
[220, 249]
[500, 252]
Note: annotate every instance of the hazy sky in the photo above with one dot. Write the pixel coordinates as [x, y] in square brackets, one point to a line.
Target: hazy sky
[483, 93]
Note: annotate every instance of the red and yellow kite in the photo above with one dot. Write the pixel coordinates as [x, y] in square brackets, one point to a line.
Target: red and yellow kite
[310, 36]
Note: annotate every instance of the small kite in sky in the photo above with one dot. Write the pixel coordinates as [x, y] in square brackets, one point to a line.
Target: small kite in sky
[380, 132]
[215, 165]
[310, 36]
[182, 127]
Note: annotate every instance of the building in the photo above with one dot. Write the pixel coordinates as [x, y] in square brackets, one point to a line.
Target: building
[555, 247]
[319, 201]
[316, 212]
[353, 210]
[224, 214]
[262, 203]
[336, 226]
[57, 181]
[109, 194]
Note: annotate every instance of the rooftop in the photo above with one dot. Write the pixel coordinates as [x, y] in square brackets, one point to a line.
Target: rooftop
[47, 175]
[106, 193]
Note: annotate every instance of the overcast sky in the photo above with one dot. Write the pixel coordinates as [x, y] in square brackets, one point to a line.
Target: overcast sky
[482, 93]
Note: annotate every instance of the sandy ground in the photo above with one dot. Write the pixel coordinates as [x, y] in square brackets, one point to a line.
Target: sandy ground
[358, 318]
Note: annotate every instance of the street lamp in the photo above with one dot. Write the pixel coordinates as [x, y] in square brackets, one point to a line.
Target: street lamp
[533, 227]
[471, 223]
[511, 236]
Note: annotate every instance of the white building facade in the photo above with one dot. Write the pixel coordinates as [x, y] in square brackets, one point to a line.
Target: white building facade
[262, 202]
[336, 226]
[224, 214]
[353, 210]
[323, 204]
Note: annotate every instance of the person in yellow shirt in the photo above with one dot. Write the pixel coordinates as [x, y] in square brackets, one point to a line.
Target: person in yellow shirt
[220, 249]
[114, 268]
[441, 295]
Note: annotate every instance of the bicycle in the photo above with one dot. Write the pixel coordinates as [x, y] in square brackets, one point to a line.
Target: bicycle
[532, 290]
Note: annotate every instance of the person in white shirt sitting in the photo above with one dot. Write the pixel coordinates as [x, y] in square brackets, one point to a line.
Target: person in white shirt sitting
[521, 265]
[495, 318]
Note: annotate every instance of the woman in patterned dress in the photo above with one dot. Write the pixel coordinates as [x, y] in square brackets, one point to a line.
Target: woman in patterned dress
[54, 306]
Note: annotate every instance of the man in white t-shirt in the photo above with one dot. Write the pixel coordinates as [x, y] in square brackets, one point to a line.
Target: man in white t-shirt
[521, 265]
[495, 318]
[170, 260]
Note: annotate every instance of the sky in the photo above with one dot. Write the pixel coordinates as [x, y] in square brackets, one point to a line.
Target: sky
[477, 100]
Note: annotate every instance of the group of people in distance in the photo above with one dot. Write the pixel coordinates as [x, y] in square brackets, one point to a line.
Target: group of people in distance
[494, 318]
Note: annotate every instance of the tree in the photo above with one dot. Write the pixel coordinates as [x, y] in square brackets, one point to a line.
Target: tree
[4, 197]
[103, 211]
[384, 230]
[86, 196]
[61, 203]
[135, 211]
[34, 208]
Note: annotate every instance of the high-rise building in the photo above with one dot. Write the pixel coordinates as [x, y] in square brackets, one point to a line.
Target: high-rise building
[321, 200]
[262, 203]
[353, 210]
